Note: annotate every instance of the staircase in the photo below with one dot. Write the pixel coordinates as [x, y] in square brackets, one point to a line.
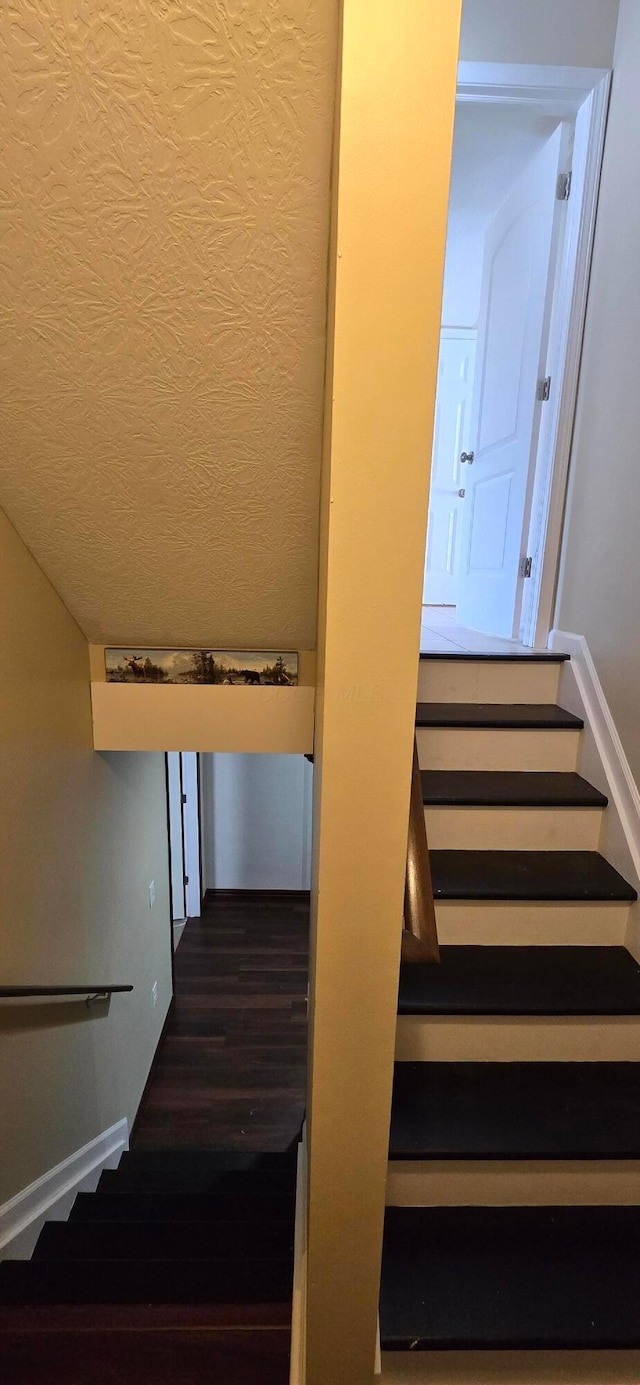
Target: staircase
[513, 1217]
[177, 1269]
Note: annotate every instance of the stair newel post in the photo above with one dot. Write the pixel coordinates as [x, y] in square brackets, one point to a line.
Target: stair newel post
[420, 935]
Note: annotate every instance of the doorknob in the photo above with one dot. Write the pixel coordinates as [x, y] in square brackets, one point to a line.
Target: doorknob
[467, 457]
[462, 492]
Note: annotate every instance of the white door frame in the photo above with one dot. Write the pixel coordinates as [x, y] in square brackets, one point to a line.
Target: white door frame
[191, 831]
[183, 798]
[176, 842]
[581, 93]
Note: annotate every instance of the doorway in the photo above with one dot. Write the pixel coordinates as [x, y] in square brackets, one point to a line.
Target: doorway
[183, 812]
[526, 157]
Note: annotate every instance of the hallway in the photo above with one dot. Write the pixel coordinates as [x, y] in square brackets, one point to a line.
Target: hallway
[230, 1072]
[440, 633]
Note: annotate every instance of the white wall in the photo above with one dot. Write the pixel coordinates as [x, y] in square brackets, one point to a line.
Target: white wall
[576, 33]
[599, 594]
[256, 822]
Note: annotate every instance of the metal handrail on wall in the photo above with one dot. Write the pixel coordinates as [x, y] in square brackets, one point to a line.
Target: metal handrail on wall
[420, 934]
[38, 992]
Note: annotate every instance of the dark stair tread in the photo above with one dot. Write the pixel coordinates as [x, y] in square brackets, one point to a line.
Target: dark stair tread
[525, 1278]
[462, 788]
[168, 1356]
[473, 980]
[559, 875]
[534, 656]
[143, 1317]
[78, 1240]
[146, 1281]
[516, 1111]
[210, 1161]
[199, 1179]
[185, 1207]
[504, 716]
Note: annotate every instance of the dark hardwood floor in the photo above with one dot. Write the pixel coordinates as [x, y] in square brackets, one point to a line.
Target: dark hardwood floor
[230, 1072]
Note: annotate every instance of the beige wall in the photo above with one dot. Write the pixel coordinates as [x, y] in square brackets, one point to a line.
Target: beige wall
[600, 577]
[163, 258]
[576, 33]
[390, 203]
[82, 836]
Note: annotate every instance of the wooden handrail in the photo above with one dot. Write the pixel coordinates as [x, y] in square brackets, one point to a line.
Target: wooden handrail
[420, 934]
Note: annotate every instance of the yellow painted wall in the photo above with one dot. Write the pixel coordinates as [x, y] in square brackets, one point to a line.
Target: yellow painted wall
[392, 163]
[238, 719]
[275, 721]
[82, 836]
[165, 172]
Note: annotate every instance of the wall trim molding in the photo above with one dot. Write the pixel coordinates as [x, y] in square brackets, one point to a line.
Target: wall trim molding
[30, 1208]
[623, 788]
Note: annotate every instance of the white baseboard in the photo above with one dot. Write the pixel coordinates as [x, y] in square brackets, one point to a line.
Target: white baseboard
[50, 1198]
[299, 1308]
[603, 761]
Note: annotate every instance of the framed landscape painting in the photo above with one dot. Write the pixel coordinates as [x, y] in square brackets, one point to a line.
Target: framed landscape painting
[255, 668]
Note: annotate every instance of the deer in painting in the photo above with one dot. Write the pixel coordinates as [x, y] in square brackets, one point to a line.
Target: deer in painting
[136, 666]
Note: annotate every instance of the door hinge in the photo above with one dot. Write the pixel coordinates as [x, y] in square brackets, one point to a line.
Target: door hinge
[186, 879]
[183, 798]
[544, 389]
[525, 567]
[563, 189]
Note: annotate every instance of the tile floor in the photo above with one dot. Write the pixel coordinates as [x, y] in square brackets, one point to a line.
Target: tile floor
[441, 634]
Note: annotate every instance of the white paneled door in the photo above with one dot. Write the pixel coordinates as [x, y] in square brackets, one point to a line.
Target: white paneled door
[505, 418]
[450, 438]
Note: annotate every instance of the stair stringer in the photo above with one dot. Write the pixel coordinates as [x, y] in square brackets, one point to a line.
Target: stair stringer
[602, 761]
[51, 1197]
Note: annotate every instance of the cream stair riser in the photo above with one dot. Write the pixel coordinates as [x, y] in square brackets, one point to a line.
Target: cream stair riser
[513, 1182]
[532, 923]
[510, 1368]
[518, 1039]
[497, 749]
[513, 829]
[456, 680]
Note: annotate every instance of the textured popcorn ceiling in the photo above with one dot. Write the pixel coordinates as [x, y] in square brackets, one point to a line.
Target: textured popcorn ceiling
[164, 206]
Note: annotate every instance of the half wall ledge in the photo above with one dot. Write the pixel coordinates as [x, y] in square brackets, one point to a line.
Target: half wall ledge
[264, 720]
